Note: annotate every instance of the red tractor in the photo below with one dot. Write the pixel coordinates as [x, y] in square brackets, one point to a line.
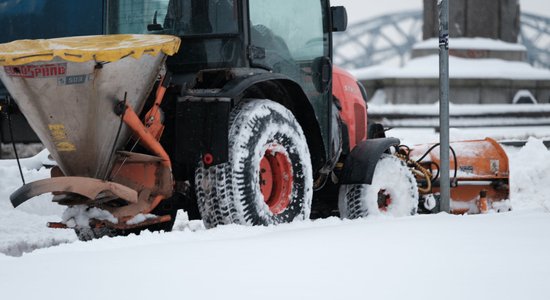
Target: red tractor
[248, 122]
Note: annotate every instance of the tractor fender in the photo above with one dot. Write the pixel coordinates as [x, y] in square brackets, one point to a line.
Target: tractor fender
[361, 162]
[209, 96]
[236, 83]
[299, 104]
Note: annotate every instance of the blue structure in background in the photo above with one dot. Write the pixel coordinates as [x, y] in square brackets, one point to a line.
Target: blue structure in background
[42, 19]
[32, 19]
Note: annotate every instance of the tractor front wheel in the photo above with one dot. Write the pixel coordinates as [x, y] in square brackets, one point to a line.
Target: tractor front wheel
[393, 192]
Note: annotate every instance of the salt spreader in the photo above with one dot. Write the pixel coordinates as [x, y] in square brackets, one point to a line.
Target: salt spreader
[82, 96]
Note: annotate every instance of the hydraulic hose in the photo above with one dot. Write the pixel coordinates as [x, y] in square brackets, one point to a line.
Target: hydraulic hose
[454, 157]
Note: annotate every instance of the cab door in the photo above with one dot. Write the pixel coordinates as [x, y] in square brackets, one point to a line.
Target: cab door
[293, 38]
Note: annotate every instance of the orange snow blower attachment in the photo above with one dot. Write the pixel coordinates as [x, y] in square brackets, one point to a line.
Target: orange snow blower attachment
[479, 175]
[82, 96]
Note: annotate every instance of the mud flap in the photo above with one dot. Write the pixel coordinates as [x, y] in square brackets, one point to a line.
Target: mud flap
[361, 162]
[202, 128]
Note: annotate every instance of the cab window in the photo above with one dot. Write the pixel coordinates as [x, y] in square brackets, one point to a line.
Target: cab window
[294, 34]
[177, 17]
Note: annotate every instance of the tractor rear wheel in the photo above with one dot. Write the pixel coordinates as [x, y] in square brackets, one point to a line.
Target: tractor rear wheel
[393, 192]
[268, 177]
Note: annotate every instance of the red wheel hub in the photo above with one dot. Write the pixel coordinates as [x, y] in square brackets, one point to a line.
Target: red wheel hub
[276, 179]
[384, 200]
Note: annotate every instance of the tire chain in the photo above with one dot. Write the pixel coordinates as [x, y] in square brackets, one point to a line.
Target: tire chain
[354, 209]
[213, 199]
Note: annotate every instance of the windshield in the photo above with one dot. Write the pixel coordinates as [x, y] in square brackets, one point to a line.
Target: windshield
[177, 17]
[210, 29]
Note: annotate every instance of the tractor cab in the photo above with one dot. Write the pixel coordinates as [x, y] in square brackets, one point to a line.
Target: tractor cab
[236, 49]
[232, 33]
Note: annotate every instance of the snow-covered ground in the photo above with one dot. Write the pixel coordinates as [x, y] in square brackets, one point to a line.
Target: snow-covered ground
[493, 256]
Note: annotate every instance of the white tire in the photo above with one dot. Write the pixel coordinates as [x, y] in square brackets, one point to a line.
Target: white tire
[393, 192]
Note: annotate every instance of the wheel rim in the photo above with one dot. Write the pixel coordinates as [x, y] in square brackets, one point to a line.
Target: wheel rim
[276, 179]
[384, 200]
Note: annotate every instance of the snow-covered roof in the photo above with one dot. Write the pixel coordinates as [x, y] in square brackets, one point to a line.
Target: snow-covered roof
[459, 68]
[458, 109]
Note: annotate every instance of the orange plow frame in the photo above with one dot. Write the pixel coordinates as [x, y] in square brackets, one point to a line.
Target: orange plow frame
[482, 172]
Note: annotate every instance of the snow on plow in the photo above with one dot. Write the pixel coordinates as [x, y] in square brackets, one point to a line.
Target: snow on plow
[82, 96]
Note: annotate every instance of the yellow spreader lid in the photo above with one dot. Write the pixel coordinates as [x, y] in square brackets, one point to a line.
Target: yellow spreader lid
[101, 48]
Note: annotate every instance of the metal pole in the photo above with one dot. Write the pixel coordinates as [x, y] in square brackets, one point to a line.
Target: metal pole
[445, 184]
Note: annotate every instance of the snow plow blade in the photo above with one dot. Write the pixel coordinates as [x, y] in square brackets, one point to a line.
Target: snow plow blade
[87, 187]
[479, 171]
